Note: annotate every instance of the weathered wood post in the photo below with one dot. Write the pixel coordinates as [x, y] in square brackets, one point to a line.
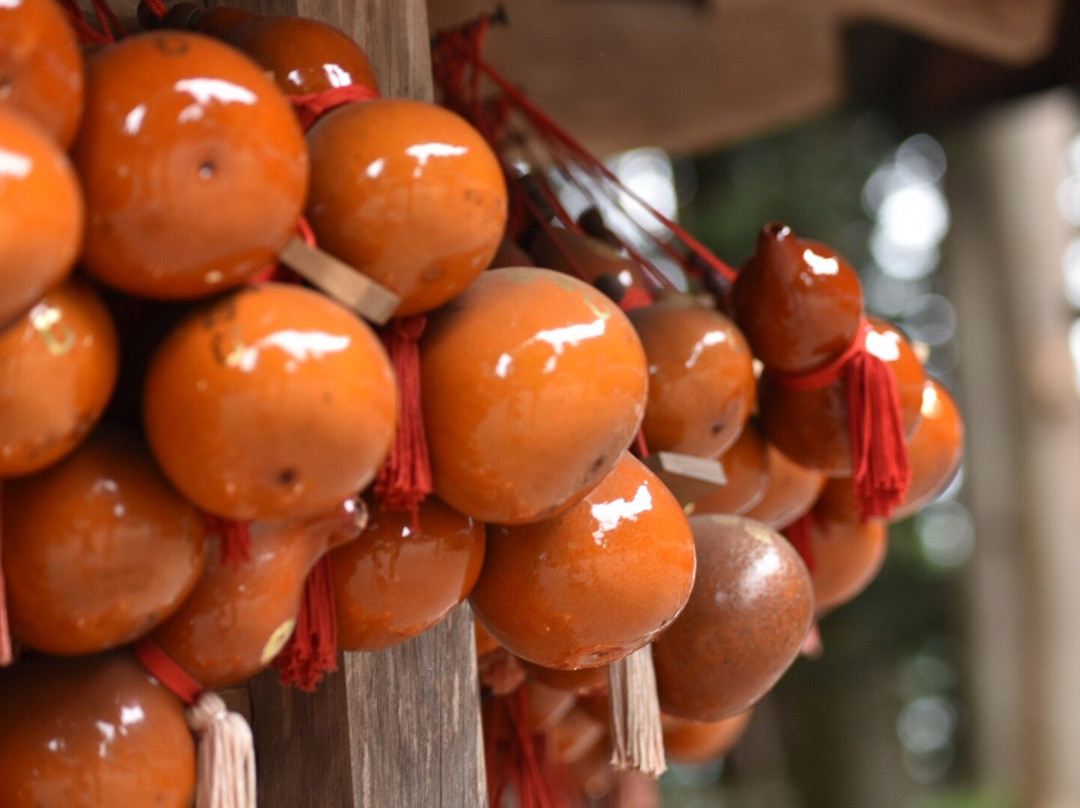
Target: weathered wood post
[398, 728]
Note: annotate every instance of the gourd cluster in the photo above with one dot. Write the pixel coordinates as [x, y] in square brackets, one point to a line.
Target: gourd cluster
[165, 384]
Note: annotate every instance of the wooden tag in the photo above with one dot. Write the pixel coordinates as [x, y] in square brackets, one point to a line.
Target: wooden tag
[339, 280]
[689, 478]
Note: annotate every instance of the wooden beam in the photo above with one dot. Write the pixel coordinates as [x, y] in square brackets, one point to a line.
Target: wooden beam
[399, 727]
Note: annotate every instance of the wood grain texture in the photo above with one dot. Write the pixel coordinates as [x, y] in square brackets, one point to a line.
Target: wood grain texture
[415, 715]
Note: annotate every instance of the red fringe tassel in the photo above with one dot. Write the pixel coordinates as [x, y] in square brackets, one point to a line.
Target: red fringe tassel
[404, 481]
[235, 539]
[311, 652]
[800, 535]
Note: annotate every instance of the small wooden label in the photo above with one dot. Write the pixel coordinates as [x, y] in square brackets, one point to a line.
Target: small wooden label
[339, 280]
[689, 478]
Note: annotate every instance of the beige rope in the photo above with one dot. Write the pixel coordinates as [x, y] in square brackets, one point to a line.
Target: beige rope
[637, 738]
[226, 755]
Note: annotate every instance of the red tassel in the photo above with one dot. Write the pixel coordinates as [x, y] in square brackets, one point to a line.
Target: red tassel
[312, 650]
[881, 472]
[879, 462]
[519, 760]
[235, 539]
[404, 480]
[309, 108]
[798, 533]
[6, 656]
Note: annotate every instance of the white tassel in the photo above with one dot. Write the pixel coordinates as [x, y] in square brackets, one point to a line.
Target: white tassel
[637, 737]
[226, 755]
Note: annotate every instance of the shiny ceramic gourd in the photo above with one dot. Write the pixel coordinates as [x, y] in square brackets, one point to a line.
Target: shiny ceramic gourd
[798, 302]
[701, 378]
[595, 584]
[846, 554]
[399, 579]
[303, 56]
[935, 449]
[41, 67]
[98, 549]
[693, 742]
[746, 469]
[581, 682]
[750, 611]
[241, 615]
[194, 166]
[409, 194]
[811, 426]
[272, 402]
[583, 256]
[41, 214]
[92, 732]
[58, 367]
[791, 492]
[533, 384]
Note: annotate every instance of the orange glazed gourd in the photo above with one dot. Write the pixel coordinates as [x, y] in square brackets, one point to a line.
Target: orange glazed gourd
[791, 492]
[746, 467]
[240, 616]
[399, 579]
[594, 584]
[92, 732]
[303, 56]
[846, 554]
[98, 549]
[581, 682]
[409, 194]
[41, 67]
[194, 166]
[533, 384]
[749, 613]
[41, 215]
[935, 449]
[701, 378]
[798, 302]
[272, 402]
[692, 742]
[811, 426]
[58, 368]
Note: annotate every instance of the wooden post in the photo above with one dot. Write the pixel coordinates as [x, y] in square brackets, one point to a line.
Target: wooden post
[399, 728]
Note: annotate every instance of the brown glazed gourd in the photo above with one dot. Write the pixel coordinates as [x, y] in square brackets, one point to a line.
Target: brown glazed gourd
[746, 468]
[98, 549]
[533, 385]
[692, 742]
[303, 56]
[193, 163]
[791, 492]
[399, 579]
[239, 617]
[582, 682]
[409, 194]
[811, 426]
[594, 584]
[798, 302]
[935, 449]
[41, 67]
[41, 214]
[582, 256]
[547, 706]
[270, 403]
[749, 613]
[58, 368]
[573, 736]
[509, 254]
[701, 379]
[847, 554]
[92, 732]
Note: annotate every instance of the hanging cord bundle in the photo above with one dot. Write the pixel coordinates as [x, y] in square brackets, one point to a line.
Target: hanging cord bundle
[637, 738]
[226, 749]
[881, 473]
[112, 28]
[516, 760]
[798, 533]
[520, 132]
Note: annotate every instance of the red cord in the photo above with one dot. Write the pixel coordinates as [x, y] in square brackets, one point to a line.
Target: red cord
[168, 671]
[309, 108]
